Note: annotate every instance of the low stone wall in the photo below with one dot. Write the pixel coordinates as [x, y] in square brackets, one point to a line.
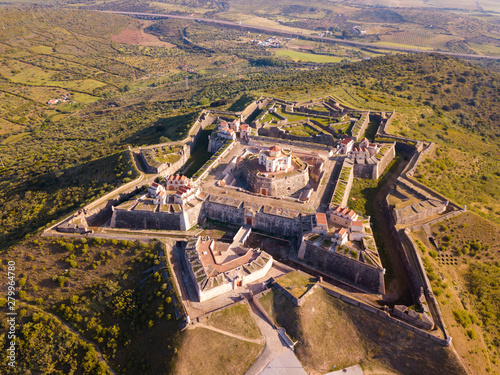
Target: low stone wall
[384, 124]
[426, 324]
[434, 193]
[447, 216]
[274, 132]
[254, 141]
[401, 217]
[297, 301]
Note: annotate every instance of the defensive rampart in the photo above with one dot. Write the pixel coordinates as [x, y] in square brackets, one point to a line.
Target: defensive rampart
[139, 219]
[344, 267]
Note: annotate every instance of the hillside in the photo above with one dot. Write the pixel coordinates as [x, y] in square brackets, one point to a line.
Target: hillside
[463, 26]
[111, 294]
[437, 98]
[464, 278]
[123, 82]
[332, 333]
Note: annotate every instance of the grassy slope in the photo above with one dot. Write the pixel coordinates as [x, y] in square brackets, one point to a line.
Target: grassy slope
[44, 335]
[207, 352]
[332, 333]
[109, 295]
[236, 319]
[464, 278]
[30, 203]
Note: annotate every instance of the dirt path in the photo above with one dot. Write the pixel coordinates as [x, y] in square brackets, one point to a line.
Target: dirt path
[273, 346]
[255, 341]
[99, 353]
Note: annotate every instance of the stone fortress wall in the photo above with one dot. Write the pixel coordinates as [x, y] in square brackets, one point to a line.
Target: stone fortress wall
[374, 171]
[206, 118]
[344, 267]
[276, 185]
[286, 223]
[139, 219]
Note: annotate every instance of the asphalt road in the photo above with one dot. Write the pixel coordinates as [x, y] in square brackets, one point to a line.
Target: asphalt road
[300, 35]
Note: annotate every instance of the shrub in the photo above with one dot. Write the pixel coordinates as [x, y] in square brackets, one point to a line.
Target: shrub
[472, 334]
[462, 317]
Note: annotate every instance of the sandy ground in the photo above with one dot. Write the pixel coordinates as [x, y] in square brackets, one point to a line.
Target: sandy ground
[139, 37]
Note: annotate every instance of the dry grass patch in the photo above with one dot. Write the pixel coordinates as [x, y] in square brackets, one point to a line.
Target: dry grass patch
[207, 352]
[333, 333]
[236, 319]
[296, 282]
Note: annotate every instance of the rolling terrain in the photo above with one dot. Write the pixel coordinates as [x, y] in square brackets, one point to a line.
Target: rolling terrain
[138, 82]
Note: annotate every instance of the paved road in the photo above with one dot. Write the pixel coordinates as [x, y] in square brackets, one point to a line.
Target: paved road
[286, 363]
[298, 34]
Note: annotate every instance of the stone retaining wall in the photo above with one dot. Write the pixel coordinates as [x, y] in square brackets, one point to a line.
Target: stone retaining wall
[386, 316]
[344, 267]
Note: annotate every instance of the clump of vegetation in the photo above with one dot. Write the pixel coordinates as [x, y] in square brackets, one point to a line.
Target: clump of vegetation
[484, 285]
[43, 343]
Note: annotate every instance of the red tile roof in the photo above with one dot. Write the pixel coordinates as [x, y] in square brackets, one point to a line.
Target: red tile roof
[274, 148]
[351, 213]
[321, 219]
[341, 231]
